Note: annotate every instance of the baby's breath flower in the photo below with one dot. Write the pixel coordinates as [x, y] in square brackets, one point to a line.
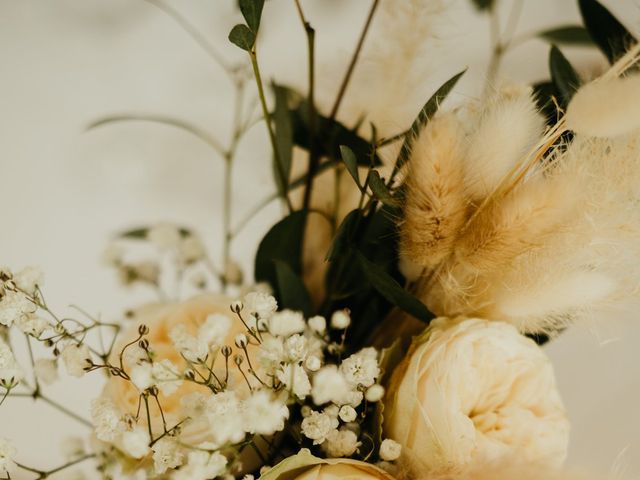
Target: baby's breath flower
[390, 450]
[340, 319]
[28, 279]
[295, 348]
[263, 414]
[76, 358]
[107, 419]
[215, 329]
[166, 376]
[224, 415]
[260, 303]
[135, 443]
[317, 426]
[286, 323]
[329, 385]
[10, 371]
[201, 465]
[31, 324]
[361, 368]
[348, 413]
[46, 370]
[318, 324]
[295, 380]
[313, 363]
[141, 376]
[166, 455]
[341, 443]
[193, 349]
[113, 255]
[14, 306]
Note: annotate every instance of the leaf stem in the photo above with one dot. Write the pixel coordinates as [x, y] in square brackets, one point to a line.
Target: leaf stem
[267, 118]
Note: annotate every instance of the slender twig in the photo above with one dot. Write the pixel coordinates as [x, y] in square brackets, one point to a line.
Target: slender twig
[46, 473]
[193, 32]
[314, 158]
[354, 60]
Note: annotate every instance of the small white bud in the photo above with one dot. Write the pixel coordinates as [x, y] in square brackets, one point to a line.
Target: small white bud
[347, 413]
[374, 393]
[340, 320]
[313, 363]
[241, 340]
[318, 324]
[390, 450]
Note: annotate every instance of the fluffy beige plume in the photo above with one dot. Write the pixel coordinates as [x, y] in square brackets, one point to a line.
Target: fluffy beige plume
[435, 207]
[606, 108]
[519, 223]
[389, 80]
[508, 125]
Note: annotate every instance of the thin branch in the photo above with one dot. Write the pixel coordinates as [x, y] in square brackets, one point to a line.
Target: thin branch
[354, 59]
[194, 33]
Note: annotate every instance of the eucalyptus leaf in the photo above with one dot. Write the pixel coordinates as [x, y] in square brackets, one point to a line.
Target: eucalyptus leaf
[606, 31]
[252, 13]
[351, 162]
[292, 292]
[380, 190]
[392, 291]
[428, 110]
[567, 35]
[242, 37]
[284, 135]
[564, 76]
[282, 242]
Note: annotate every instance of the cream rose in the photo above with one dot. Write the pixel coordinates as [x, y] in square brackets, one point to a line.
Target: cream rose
[162, 319]
[472, 390]
[305, 466]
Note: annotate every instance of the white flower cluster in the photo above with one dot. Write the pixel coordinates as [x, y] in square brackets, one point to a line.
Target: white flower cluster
[273, 361]
[10, 372]
[17, 301]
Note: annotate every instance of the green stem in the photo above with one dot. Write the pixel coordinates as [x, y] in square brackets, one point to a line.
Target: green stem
[267, 118]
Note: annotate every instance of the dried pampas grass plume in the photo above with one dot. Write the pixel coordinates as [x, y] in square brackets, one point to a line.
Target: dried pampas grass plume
[508, 126]
[606, 108]
[435, 207]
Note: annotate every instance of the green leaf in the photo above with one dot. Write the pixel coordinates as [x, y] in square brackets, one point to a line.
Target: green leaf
[380, 190]
[331, 134]
[428, 110]
[283, 242]
[284, 135]
[350, 160]
[242, 37]
[292, 292]
[607, 32]
[483, 5]
[564, 76]
[567, 35]
[343, 238]
[392, 291]
[252, 12]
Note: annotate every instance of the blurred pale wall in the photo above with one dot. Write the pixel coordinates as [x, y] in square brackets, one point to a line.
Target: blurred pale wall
[64, 63]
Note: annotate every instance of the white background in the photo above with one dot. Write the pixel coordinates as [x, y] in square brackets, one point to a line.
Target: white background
[64, 191]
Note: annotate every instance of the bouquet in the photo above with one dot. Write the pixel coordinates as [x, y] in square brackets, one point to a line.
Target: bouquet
[394, 323]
